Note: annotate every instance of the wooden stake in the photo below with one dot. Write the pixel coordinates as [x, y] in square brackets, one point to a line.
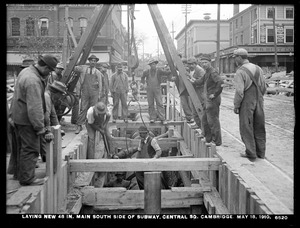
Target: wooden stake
[152, 197]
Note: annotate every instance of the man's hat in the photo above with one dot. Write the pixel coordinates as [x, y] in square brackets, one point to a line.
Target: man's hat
[49, 60]
[59, 86]
[27, 63]
[240, 52]
[191, 61]
[105, 65]
[93, 57]
[143, 129]
[119, 66]
[205, 57]
[184, 60]
[101, 108]
[152, 61]
[60, 66]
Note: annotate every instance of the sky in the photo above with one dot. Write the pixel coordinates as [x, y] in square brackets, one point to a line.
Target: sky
[172, 14]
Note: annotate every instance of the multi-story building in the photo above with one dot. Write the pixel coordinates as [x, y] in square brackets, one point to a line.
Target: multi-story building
[202, 37]
[47, 20]
[255, 30]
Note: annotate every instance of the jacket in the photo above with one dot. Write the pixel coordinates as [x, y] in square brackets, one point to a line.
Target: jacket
[28, 106]
[118, 83]
[160, 74]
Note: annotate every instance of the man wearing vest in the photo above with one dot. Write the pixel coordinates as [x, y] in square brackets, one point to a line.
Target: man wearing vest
[153, 77]
[97, 119]
[90, 83]
[250, 88]
[105, 83]
[148, 148]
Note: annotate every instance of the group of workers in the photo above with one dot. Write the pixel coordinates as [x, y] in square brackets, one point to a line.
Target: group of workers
[32, 110]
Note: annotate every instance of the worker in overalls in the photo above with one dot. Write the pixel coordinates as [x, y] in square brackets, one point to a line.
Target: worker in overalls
[212, 94]
[119, 89]
[153, 78]
[250, 87]
[90, 82]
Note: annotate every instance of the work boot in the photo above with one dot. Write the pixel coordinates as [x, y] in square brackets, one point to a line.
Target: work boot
[78, 129]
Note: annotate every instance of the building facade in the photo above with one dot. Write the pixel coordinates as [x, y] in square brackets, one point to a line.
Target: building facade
[202, 37]
[255, 30]
[45, 20]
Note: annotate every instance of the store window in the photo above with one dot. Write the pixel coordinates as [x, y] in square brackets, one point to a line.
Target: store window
[15, 26]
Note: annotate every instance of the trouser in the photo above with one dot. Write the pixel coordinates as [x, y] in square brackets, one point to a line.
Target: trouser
[252, 123]
[210, 121]
[186, 106]
[154, 93]
[75, 112]
[89, 97]
[116, 99]
[198, 119]
[29, 153]
[14, 166]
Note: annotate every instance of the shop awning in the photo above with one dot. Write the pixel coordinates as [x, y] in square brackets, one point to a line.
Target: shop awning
[14, 59]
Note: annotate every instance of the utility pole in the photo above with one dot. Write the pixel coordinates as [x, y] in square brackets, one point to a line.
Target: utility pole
[186, 9]
[66, 36]
[218, 40]
[275, 43]
[173, 31]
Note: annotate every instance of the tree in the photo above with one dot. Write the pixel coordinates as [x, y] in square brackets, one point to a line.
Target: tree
[33, 46]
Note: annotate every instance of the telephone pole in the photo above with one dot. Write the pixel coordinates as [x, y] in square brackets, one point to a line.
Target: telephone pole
[186, 9]
[173, 31]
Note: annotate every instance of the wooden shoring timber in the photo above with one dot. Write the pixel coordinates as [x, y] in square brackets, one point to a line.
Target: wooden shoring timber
[161, 164]
[122, 142]
[214, 204]
[183, 148]
[120, 198]
[137, 124]
[73, 202]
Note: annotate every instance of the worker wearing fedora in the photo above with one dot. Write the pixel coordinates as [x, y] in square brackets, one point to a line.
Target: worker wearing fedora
[153, 78]
[119, 89]
[250, 87]
[27, 113]
[90, 88]
[97, 119]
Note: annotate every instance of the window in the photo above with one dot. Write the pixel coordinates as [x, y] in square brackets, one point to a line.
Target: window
[236, 40]
[236, 23]
[82, 24]
[241, 20]
[242, 38]
[44, 26]
[270, 35]
[255, 36]
[15, 26]
[289, 35]
[270, 12]
[30, 27]
[230, 27]
[254, 14]
[289, 13]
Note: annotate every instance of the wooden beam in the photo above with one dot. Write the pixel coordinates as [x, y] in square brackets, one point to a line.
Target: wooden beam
[137, 124]
[120, 198]
[172, 55]
[165, 164]
[152, 193]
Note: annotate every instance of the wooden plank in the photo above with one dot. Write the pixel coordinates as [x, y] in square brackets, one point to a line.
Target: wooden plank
[137, 124]
[183, 148]
[84, 140]
[243, 188]
[50, 174]
[152, 192]
[165, 164]
[120, 197]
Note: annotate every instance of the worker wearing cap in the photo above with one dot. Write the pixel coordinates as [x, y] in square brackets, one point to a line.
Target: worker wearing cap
[148, 148]
[97, 119]
[212, 84]
[27, 113]
[105, 83]
[196, 72]
[119, 89]
[153, 78]
[90, 87]
[56, 74]
[250, 88]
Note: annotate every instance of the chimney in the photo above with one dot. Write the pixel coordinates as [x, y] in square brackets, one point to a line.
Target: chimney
[236, 9]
